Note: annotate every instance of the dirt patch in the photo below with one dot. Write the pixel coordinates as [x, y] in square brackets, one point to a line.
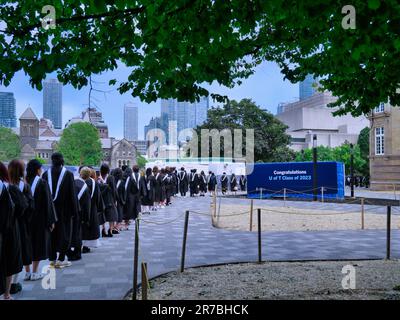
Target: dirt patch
[291, 218]
[375, 280]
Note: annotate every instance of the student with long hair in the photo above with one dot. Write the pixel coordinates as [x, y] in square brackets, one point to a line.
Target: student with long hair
[109, 194]
[43, 219]
[21, 194]
[10, 244]
[120, 196]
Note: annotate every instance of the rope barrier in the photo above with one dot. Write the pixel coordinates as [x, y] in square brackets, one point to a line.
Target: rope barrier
[308, 214]
[162, 223]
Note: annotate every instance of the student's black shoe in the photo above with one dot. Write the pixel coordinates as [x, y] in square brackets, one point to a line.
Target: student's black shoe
[15, 288]
[115, 232]
[104, 233]
[109, 234]
[85, 249]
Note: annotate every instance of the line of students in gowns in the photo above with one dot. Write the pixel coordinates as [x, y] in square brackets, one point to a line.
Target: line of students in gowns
[55, 216]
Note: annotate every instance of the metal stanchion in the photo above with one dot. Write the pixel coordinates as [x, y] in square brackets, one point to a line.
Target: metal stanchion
[259, 236]
[362, 214]
[388, 231]
[251, 215]
[184, 241]
[322, 193]
[144, 281]
[284, 197]
[135, 262]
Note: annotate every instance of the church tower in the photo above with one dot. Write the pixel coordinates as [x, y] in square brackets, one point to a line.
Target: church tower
[29, 129]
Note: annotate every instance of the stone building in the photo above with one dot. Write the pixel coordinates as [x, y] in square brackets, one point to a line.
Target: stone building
[118, 152]
[313, 116]
[385, 148]
[39, 138]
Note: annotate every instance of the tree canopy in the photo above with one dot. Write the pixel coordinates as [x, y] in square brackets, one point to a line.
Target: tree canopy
[270, 139]
[340, 154]
[80, 144]
[174, 48]
[9, 144]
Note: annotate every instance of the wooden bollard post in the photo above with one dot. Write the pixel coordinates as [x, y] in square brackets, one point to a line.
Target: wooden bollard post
[362, 214]
[259, 236]
[388, 231]
[251, 214]
[144, 281]
[184, 241]
[135, 260]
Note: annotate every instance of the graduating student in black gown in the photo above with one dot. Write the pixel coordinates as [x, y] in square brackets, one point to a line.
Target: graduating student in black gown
[83, 217]
[91, 230]
[194, 182]
[243, 183]
[43, 219]
[233, 183]
[157, 187]
[120, 196]
[211, 182]
[21, 194]
[8, 228]
[148, 199]
[169, 185]
[202, 183]
[135, 190]
[224, 183]
[183, 182]
[62, 187]
[109, 194]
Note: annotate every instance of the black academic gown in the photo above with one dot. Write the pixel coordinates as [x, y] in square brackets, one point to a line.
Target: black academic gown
[24, 223]
[243, 183]
[66, 206]
[121, 199]
[83, 216]
[212, 182]
[224, 183]
[91, 230]
[148, 199]
[183, 182]
[203, 183]
[134, 192]
[233, 183]
[158, 192]
[108, 193]
[6, 217]
[43, 218]
[12, 248]
[194, 183]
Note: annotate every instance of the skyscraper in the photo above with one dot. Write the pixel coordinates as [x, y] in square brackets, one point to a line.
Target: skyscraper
[308, 87]
[8, 117]
[131, 122]
[52, 102]
[187, 115]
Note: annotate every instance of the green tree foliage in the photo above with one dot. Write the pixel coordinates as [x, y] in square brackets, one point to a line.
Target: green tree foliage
[9, 144]
[269, 133]
[340, 154]
[363, 142]
[174, 48]
[80, 144]
[141, 161]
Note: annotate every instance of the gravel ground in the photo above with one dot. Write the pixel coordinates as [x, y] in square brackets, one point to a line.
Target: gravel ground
[291, 218]
[375, 280]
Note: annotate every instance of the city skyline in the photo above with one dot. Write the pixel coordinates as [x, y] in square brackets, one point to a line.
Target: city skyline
[131, 113]
[52, 102]
[8, 117]
[266, 87]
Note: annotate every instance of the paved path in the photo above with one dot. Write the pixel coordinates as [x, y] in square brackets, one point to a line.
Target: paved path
[106, 273]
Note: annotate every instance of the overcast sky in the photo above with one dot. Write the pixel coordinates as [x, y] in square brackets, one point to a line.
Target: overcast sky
[266, 87]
